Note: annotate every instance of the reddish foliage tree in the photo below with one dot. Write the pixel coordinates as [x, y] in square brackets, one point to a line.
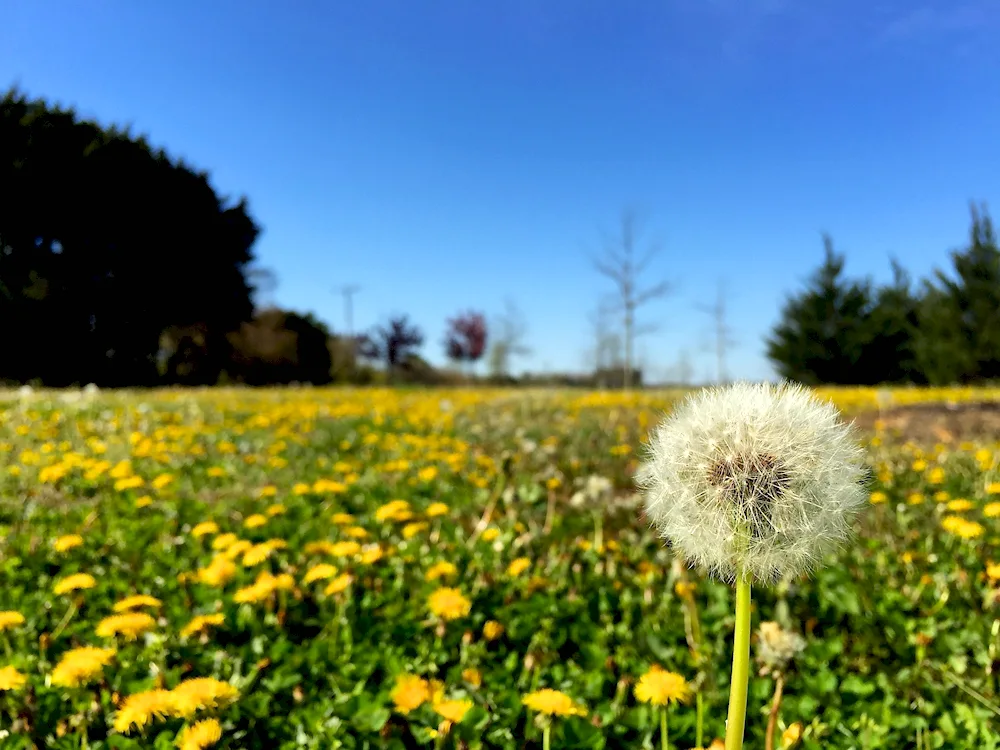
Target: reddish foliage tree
[465, 340]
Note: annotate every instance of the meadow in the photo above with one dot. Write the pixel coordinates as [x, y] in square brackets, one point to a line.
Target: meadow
[311, 568]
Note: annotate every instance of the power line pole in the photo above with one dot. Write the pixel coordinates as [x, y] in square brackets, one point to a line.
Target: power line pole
[348, 291]
[723, 337]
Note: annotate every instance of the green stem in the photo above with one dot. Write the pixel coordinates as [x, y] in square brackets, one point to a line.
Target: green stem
[545, 736]
[65, 620]
[664, 745]
[741, 668]
[699, 720]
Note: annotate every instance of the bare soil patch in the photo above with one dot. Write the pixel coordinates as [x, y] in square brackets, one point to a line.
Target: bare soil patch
[937, 423]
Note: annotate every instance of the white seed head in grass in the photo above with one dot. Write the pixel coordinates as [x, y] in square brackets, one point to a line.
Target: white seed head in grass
[753, 480]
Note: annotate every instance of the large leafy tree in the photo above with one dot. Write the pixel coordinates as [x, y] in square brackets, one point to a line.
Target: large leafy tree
[105, 243]
[465, 338]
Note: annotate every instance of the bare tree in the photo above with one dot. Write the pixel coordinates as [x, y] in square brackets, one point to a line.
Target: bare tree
[618, 263]
[721, 332]
[508, 332]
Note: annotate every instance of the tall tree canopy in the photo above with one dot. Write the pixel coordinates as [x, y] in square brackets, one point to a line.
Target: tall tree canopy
[105, 243]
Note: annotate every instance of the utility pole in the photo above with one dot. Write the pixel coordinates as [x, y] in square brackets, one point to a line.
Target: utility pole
[348, 291]
[723, 338]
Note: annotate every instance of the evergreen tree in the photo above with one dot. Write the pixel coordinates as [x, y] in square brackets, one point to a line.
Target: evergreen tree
[965, 322]
[890, 350]
[822, 335]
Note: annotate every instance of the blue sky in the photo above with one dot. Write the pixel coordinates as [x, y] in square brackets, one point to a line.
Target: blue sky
[453, 154]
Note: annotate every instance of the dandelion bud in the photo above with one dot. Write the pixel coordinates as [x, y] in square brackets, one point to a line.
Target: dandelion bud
[755, 481]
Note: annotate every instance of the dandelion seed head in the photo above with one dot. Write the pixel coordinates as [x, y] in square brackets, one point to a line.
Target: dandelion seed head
[753, 480]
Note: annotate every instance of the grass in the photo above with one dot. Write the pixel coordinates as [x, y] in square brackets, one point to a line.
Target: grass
[354, 541]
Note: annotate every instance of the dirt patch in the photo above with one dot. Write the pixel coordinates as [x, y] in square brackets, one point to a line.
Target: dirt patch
[937, 423]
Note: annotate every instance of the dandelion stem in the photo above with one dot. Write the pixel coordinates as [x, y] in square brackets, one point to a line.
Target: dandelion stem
[772, 720]
[741, 667]
[65, 620]
[546, 741]
[699, 734]
[663, 729]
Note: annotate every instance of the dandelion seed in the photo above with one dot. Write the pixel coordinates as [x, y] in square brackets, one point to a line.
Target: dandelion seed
[755, 480]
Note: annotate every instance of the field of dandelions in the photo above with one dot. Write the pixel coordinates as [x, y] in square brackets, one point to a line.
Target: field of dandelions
[369, 569]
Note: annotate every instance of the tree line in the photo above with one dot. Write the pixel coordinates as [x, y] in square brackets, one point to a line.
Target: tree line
[121, 266]
[940, 330]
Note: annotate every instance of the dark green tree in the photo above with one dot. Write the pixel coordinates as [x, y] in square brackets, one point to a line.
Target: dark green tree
[105, 244]
[822, 335]
[960, 320]
[889, 354]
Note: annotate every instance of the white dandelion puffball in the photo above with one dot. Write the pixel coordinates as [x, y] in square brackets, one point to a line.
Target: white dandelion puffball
[753, 480]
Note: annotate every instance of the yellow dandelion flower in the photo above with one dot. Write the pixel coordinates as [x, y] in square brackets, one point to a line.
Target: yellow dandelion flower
[452, 710]
[10, 619]
[338, 584]
[162, 481]
[238, 548]
[409, 693]
[472, 676]
[318, 548]
[218, 573]
[199, 736]
[519, 565]
[412, 529]
[142, 502]
[661, 688]
[224, 541]
[490, 534]
[319, 573]
[392, 510]
[258, 553]
[204, 529]
[130, 625]
[915, 498]
[276, 509]
[877, 498]
[437, 509]
[356, 532]
[142, 709]
[959, 505]
[80, 666]
[342, 519]
[991, 510]
[553, 703]
[11, 679]
[201, 693]
[993, 488]
[128, 483]
[201, 623]
[75, 582]
[791, 736]
[449, 603]
[134, 602]
[442, 569]
[345, 549]
[255, 521]
[492, 630]
[67, 542]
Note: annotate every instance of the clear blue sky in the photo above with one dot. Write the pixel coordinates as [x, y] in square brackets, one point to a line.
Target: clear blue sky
[451, 154]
